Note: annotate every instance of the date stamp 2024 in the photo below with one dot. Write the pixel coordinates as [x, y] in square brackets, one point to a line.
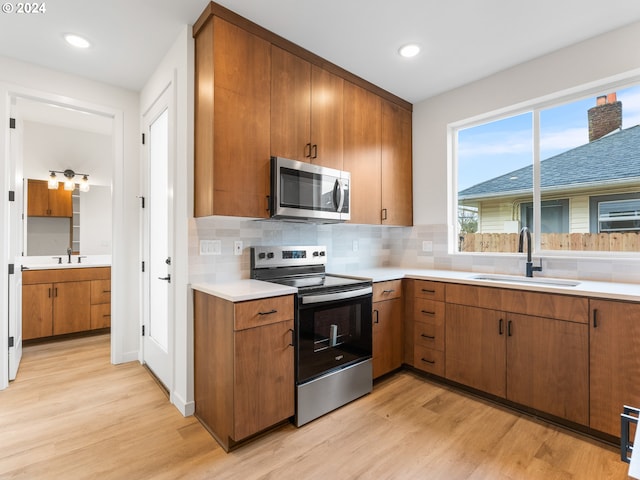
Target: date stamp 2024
[21, 8]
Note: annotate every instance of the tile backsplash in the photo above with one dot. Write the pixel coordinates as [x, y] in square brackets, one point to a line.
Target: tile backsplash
[354, 247]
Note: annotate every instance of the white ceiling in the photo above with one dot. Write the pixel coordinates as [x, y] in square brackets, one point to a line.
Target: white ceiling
[462, 40]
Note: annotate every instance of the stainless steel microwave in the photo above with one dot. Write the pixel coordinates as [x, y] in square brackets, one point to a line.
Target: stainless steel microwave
[305, 192]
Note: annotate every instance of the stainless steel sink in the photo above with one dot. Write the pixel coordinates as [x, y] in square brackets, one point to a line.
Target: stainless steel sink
[552, 282]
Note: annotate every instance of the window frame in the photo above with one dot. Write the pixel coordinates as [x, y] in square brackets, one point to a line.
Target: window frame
[536, 105]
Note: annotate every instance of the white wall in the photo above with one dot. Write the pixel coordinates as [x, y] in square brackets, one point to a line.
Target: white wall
[19, 78]
[177, 67]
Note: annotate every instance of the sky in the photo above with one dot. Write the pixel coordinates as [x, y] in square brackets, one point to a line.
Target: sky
[499, 147]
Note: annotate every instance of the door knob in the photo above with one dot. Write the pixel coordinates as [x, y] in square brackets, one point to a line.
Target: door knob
[167, 278]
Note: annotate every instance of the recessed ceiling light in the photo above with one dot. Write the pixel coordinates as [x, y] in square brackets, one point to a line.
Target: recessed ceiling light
[77, 41]
[410, 50]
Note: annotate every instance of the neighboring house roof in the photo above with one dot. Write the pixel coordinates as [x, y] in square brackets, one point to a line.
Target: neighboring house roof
[611, 159]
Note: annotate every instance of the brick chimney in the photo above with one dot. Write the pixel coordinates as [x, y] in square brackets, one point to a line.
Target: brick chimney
[605, 117]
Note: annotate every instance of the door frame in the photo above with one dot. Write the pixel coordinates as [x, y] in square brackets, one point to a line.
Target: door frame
[118, 262]
[163, 96]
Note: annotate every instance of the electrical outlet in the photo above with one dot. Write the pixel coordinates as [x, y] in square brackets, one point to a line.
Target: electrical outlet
[355, 245]
[427, 246]
[210, 247]
[237, 247]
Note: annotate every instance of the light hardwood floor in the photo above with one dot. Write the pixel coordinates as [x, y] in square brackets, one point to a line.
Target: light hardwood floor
[71, 415]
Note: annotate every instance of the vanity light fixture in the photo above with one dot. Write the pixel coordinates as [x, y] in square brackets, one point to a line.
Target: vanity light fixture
[69, 176]
[410, 50]
[76, 40]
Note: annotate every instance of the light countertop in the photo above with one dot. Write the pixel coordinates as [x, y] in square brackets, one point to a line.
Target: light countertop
[51, 262]
[610, 290]
[242, 290]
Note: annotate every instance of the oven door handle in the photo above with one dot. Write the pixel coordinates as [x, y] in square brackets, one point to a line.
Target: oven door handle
[330, 297]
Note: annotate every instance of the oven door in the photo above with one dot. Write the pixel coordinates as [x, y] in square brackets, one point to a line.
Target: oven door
[333, 332]
[303, 190]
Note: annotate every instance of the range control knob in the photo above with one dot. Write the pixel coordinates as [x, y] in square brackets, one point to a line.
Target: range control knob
[322, 253]
[315, 254]
[270, 255]
[262, 255]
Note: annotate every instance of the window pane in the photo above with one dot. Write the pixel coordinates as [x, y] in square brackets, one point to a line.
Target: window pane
[495, 176]
[590, 148]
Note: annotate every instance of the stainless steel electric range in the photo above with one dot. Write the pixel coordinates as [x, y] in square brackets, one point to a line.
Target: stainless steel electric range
[333, 341]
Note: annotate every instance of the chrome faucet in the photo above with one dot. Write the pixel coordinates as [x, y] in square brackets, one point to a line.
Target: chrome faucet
[69, 254]
[530, 268]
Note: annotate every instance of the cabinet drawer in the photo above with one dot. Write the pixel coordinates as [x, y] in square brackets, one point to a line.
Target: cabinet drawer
[429, 290]
[428, 311]
[429, 360]
[100, 291]
[387, 290]
[100, 316]
[428, 335]
[263, 312]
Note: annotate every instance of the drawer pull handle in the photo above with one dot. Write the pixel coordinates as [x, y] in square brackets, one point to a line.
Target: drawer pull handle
[500, 327]
[268, 313]
[426, 312]
[388, 291]
[377, 320]
[595, 318]
[428, 291]
[431, 362]
[106, 315]
[106, 291]
[424, 335]
[292, 337]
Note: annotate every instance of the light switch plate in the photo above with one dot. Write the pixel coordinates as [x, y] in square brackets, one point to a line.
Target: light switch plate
[210, 247]
[237, 247]
[355, 245]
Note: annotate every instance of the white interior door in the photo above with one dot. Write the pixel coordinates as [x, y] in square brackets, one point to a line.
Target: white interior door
[16, 229]
[157, 339]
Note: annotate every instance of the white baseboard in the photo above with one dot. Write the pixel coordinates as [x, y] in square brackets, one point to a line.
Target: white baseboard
[186, 408]
[126, 357]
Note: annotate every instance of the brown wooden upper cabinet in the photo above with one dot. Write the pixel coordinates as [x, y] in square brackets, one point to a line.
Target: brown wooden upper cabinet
[258, 95]
[306, 111]
[232, 128]
[377, 152]
[42, 202]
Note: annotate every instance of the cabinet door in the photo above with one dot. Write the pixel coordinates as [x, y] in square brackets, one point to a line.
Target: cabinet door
[614, 362]
[397, 188]
[263, 378]
[232, 121]
[548, 366]
[387, 336]
[362, 157]
[71, 307]
[60, 202]
[37, 311]
[475, 348]
[290, 106]
[37, 198]
[327, 92]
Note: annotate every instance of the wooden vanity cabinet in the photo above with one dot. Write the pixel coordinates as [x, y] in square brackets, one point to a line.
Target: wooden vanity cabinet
[100, 304]
[59, 301]
[306, 111]
[244, 373]
[388, 311]
[538, 362]
[42, 202]
[614, 362]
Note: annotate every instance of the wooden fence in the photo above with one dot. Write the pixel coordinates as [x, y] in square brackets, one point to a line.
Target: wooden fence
[508, 242]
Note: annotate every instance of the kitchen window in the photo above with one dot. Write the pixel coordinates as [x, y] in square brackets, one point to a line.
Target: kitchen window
[569, 171]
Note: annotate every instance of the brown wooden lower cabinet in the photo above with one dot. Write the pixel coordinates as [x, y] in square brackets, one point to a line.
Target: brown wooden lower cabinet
[614, 362]
[244, 374]
[60, 301]
[387, 336]
[537, 362]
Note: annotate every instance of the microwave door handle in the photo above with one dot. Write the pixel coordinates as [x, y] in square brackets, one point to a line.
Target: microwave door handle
[340, 201]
